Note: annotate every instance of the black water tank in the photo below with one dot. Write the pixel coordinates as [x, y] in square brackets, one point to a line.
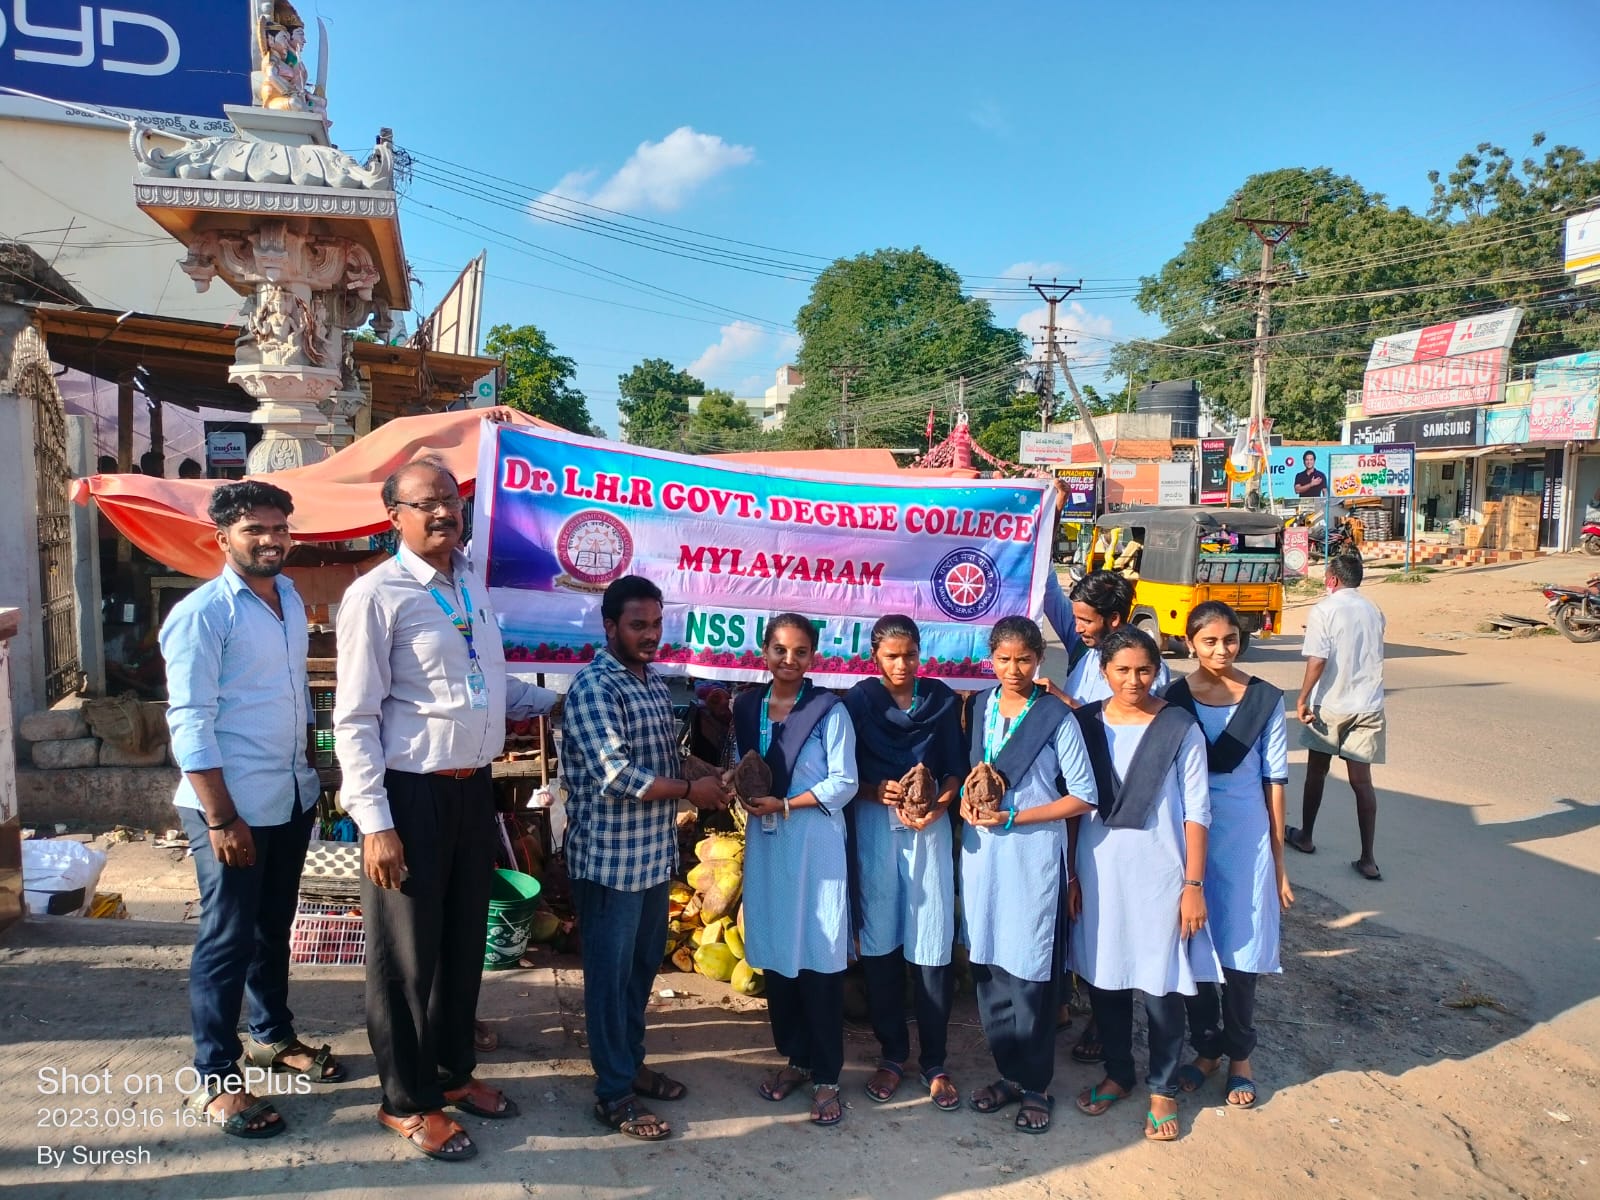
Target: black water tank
[1179, 398]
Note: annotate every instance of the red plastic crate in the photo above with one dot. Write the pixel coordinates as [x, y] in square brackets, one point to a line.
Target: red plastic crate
[328, 934]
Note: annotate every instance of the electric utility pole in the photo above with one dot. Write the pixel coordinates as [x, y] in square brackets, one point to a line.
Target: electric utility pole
[844, 373]
[1271, 232]
[1053, 294]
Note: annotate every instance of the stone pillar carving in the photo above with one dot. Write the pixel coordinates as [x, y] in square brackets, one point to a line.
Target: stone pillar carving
[303, 291]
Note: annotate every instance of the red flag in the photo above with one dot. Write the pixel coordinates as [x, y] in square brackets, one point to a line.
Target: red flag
[930, 426]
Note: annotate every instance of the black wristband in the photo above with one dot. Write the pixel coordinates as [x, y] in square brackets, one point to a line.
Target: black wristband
[225, 824]
[687, 788]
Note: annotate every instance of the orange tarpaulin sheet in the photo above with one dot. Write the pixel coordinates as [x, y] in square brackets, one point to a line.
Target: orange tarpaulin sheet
[333, 500]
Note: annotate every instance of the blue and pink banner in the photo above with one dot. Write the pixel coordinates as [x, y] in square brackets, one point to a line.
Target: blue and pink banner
[731, 546]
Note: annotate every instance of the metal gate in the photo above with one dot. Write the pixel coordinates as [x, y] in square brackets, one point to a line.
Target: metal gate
[62, 665]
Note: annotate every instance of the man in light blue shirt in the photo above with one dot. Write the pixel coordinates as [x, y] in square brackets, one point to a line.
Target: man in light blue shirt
[238, 709]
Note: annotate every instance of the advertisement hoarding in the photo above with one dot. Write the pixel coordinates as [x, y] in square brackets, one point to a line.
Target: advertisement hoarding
[1582, 246]
[1289, 477]
[172, 64]
[1045, 449]
[1372, 471]
[1426, 431]
[1458, 364]
[1083, 492]
[1148, 485]
[1566, 399]
[1214, 470]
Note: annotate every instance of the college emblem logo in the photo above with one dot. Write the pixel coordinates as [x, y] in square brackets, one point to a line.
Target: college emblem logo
[966, 584]
[594, 548]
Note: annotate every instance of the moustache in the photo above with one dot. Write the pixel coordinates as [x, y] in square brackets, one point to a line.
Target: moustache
[441, 526]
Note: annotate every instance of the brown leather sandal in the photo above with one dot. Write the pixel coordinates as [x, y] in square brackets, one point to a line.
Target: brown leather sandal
[481, 1100]
[432, 1133]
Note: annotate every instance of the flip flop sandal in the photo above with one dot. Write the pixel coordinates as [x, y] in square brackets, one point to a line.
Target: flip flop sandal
[952, 1098]
[661, 1087]
[1375, 877]
[819, 1106]
[1091, 1103]
[776, 1088]
[626, 1118]
[1291, 839]
[1191, 1078]
[269, 1057]
[895, 1071]
[999, 1095]
[430, 1132]
[478, 1098]
[237, 1125]
[1154, 1126]
[1241, 1083]
[1035, 1102]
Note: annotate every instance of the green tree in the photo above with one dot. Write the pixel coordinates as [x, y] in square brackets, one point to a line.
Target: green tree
[721, 423]
[538, 380]
[1362, 269]
[655, 402]
[901, 317]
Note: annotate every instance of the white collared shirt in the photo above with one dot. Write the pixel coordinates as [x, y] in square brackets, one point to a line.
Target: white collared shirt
[402, 703]
[1346, 629]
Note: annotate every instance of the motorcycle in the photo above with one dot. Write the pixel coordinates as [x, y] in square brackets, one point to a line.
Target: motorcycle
[1576, 611]
[1590, 538]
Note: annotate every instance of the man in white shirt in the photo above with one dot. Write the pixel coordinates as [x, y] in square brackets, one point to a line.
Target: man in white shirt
[420, 713]
[1341, 704]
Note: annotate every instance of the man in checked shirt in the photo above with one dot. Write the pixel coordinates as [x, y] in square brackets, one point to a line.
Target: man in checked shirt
[624, 782]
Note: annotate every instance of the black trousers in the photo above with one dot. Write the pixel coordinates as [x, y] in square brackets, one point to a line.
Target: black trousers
[1163, 1015]
[932, 991]
[807, 1014]
[1019, 1019]
[425, 939]
[1222, 1020]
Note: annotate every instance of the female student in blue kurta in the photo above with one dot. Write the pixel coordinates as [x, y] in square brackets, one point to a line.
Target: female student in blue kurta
[1141, 864]
[1246, 882]
[1014, 870]
[904, 875]
[796, 890]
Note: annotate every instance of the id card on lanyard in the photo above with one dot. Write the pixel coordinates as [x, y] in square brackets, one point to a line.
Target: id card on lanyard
[477, 683]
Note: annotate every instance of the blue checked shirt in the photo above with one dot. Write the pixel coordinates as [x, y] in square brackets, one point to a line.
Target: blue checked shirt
[618, 735]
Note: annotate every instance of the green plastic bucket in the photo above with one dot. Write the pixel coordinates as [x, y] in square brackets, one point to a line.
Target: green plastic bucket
[513, 899]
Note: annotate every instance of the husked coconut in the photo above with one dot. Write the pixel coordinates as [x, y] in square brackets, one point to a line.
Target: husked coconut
[752, 778]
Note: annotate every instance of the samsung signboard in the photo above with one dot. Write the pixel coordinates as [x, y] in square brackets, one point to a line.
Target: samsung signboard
[1426, 431]
[172, 64]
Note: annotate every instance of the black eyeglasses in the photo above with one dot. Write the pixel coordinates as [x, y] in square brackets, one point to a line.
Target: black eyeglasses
[453, 504]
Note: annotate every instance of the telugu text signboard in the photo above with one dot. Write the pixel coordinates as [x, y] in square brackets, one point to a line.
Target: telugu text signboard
[1566, 399]
[172, 64]
[1372, 471]
[731, 546]
[1040, 449]
[1458, 364]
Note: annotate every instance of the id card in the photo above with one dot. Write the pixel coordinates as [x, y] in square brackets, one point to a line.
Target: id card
[477, 688]
[769, 823]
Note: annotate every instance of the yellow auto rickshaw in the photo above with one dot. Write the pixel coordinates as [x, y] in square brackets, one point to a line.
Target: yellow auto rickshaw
[1181, 557]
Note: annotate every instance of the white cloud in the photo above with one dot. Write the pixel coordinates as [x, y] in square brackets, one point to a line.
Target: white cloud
[741, 344]
[1074, 323]
[1041, 271]
[659, 175]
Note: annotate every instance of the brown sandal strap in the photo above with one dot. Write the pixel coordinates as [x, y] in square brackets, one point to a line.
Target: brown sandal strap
[429, 1132]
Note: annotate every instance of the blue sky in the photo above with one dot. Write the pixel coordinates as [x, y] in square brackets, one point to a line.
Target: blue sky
[1085, 140]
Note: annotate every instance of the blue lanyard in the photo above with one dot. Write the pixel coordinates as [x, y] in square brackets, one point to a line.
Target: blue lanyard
[463, 624]
[766, 722]
[993, 740]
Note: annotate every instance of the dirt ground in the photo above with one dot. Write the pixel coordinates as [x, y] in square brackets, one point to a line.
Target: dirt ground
[1436, 1034]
